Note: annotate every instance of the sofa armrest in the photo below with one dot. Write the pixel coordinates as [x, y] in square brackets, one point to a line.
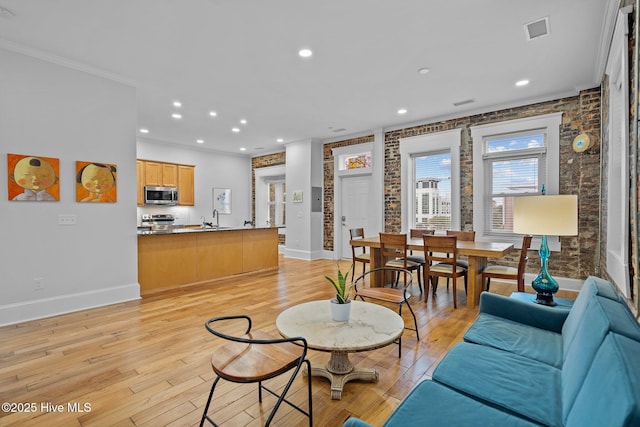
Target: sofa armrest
[355, 422]
[536, 315]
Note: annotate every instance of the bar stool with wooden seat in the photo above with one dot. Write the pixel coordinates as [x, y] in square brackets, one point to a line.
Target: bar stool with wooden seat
[506, 272]
[393, 249]
[256, 357]
[391, 295]
[358, 253]
[441, 253]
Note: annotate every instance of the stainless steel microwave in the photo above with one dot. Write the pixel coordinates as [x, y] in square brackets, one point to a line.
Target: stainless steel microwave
[160, 195]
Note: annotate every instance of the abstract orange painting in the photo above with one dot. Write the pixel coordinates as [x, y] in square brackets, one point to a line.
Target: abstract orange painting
[33, 178]
[96, 182]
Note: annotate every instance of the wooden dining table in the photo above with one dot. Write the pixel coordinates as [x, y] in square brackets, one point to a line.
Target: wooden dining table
[477, 253]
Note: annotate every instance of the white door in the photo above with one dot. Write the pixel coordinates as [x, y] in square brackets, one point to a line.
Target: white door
[356, 208]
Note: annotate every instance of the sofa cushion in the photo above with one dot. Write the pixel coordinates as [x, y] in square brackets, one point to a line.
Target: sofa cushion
[600, 316]
[504, 380]
[534, 343]
[610, 395]
[432, 404]
[592, 286]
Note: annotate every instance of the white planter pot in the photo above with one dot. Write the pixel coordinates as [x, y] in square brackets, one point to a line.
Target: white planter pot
[340, 312]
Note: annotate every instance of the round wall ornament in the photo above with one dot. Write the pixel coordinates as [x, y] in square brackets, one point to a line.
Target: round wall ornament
[581, 143]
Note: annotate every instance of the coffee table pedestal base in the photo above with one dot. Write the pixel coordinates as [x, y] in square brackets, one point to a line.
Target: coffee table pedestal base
[339, 371]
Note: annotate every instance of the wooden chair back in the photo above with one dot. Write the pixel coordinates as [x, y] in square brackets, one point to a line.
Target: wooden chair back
[416, 233]
[439, 249]
[357, 234]
[393, 245]
[464, 236]
[522, 262]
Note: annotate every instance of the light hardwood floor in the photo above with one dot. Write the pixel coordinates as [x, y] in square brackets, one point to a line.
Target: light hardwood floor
[146, 362]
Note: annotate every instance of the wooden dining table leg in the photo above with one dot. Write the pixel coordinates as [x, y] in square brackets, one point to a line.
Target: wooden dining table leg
[474, 279]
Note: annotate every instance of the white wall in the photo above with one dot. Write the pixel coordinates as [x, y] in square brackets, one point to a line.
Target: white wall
[211, 170]
[54, 111]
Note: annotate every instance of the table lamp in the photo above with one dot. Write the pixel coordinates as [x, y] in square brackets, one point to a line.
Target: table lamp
[545, 215]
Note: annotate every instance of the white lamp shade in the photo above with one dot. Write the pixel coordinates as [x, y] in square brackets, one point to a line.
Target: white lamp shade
[546, 215]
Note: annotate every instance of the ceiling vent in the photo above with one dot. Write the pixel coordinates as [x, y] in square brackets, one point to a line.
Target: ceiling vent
[537, 29]
[466, 101]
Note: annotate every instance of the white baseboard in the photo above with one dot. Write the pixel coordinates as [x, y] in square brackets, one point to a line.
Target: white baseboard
[38, 309]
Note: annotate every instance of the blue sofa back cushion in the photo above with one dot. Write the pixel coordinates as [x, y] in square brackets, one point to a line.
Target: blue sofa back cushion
[600, 316]
[592, 286]
[610, 395]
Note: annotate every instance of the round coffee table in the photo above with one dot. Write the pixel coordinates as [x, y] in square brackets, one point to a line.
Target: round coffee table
[370, 326]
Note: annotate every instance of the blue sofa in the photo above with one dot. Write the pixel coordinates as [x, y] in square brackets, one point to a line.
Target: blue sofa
[523, 364]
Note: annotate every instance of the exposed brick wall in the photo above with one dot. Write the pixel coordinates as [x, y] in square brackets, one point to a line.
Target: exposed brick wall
[328, 184]
[261, 162]
[579, 174]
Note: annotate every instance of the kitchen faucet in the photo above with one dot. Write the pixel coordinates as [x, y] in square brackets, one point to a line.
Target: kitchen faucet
[216, 216]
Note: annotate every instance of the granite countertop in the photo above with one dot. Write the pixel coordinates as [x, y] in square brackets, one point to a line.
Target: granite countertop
[195, 229]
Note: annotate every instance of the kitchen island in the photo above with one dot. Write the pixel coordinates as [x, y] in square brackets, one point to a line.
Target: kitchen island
[186, 256]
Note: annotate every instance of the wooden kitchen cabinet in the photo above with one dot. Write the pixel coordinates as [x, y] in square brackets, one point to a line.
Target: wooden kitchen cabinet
[186, 195]
[161, 174]
[140, 167]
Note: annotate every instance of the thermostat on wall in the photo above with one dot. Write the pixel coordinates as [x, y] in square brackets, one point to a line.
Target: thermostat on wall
[581, 143]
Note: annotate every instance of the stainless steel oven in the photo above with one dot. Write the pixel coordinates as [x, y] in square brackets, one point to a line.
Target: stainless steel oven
[160, 195]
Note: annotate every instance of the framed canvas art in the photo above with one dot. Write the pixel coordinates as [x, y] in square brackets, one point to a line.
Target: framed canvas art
[33, 178]
[96, 182]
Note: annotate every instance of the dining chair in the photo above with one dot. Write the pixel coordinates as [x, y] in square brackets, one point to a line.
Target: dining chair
[507, 272]
[358, 253]
[254, 357]
[394, 252]
[418, 256]
[393, 295]
[441, 254]
[466, 236]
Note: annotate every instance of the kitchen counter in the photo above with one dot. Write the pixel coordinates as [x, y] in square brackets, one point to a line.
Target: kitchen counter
[182, 256]
[195, 229]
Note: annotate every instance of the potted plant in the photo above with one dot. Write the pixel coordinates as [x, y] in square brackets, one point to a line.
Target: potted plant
[341, 304]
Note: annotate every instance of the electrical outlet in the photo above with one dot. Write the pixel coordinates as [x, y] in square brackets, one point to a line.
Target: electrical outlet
[68, 219]
[38, 284]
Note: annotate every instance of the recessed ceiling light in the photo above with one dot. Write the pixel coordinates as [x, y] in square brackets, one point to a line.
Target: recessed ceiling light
[144, 130]
[423, 71]
[243, 121]
[200, 141]
[177, 104]
[176, 116]
[402, 111]
[279, 140]
[236, 130]
[243, 149]
[305, 53]
[213, 113]
[521, 83]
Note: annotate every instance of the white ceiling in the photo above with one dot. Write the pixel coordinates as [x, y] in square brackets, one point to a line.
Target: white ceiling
[239, 58]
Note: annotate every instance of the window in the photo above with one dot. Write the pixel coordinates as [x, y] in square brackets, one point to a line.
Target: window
[276, 203]
[432, 184]
[513, 164]
[430, 181]
[510, 159]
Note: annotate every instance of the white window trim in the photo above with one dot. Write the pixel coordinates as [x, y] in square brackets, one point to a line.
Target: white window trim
[550, 122]
[261, 177]
[424, 144]
[617, 224]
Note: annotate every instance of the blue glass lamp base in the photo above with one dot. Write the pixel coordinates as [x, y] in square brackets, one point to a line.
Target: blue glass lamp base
[544, 284]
